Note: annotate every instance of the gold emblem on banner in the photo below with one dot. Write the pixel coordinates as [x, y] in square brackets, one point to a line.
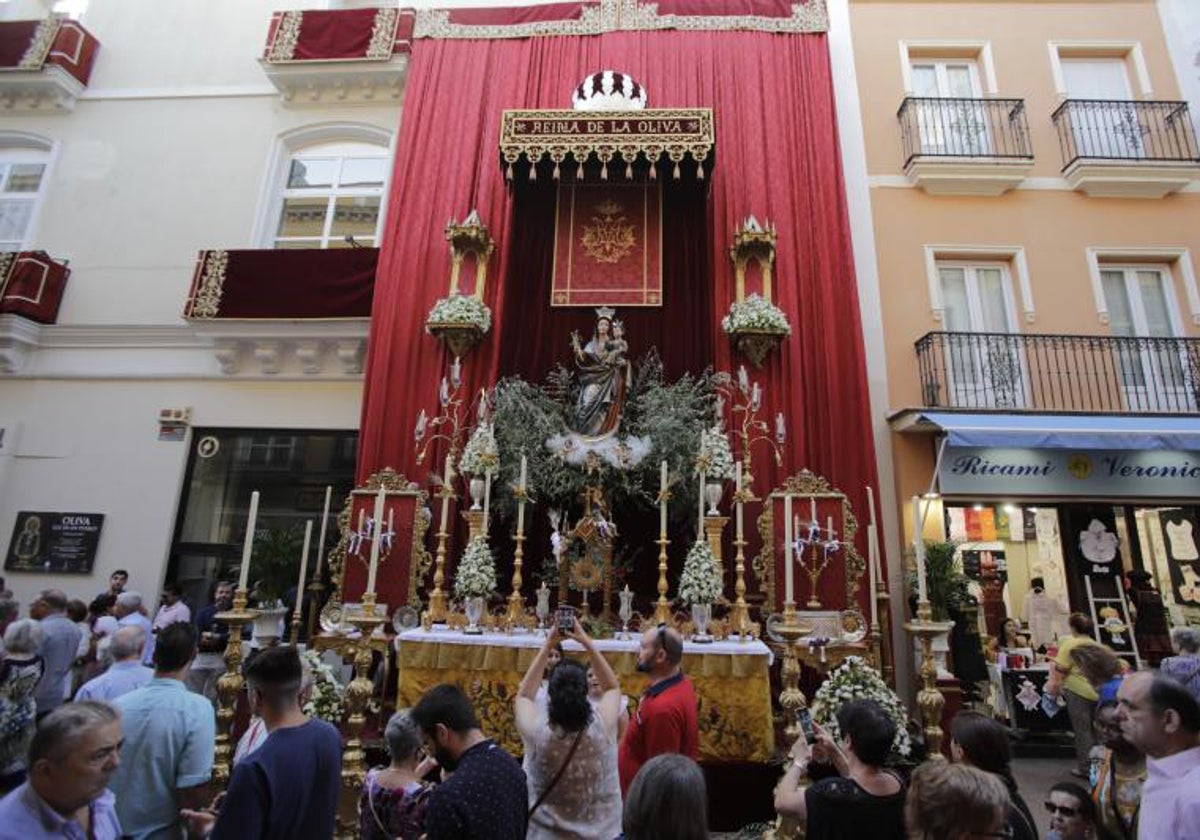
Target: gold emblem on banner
[609, 238]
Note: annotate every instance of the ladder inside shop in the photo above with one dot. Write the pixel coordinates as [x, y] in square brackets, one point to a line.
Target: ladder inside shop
[1110, 595]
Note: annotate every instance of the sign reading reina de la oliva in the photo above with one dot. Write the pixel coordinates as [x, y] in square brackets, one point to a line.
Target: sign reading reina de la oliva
[1047, 472]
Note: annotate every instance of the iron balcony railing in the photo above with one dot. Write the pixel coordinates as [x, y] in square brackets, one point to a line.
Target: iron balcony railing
[1125, 130]
[964, 128]
[1108, 374]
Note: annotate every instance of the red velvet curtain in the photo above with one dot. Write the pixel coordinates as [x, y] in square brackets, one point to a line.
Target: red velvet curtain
[777, 157]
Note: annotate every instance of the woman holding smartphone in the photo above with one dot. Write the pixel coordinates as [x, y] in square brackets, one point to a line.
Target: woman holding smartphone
[571, 746]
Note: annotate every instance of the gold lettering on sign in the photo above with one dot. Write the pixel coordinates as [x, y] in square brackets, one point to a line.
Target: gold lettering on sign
[609, 238]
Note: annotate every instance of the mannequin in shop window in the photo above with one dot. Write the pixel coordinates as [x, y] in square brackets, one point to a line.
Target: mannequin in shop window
[1041, 613]
[1149, 618]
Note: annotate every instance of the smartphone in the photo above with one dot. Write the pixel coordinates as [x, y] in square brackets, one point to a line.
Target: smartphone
[804, 721]
[565, 618]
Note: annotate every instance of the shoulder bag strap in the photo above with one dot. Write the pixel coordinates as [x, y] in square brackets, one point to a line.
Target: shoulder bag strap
[553, 782]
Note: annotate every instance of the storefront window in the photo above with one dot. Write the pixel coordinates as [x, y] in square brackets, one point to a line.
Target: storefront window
[289, 468]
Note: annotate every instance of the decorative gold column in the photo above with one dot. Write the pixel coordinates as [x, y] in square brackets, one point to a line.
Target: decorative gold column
[474, 519]
[229, 685]
[791, 700]
[662, 610]
[713, 528]
[437, 598]
[929, 700]
[358, 696]
[516, 604]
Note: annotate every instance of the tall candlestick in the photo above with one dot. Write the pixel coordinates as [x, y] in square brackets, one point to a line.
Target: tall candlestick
[374, 567]
[487, 500]
[248, 545]
[321, 541]
[303, 566]
[521, 501]
[873, 558]
[662, 499]
[919, 542]
[700, 500]
[789, 589]
[737, 490]
[445, 495]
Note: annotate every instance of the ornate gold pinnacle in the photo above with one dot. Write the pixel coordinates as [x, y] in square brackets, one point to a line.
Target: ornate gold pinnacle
[662, 610]
[358, 697]
[929, 699]
[229, 685]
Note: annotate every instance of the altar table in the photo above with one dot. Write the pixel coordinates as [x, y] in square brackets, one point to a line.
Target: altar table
[731, 680]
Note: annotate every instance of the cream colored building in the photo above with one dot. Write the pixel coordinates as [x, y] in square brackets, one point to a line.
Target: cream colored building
[1034, 191]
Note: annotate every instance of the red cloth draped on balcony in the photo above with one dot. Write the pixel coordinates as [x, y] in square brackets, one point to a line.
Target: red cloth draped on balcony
[779, 158]
[31, 44]
[338, 34]
[32, 285]
[283, 283]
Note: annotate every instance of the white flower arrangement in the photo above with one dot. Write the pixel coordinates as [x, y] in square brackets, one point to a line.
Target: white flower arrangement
[460, 309]
[715, 454]
[327, 693]
[481, 454]
[700, 582]
[476, 573]
[756, 313]
[854, 679]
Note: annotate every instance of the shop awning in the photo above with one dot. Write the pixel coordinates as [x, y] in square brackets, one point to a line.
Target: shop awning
[1067, 431]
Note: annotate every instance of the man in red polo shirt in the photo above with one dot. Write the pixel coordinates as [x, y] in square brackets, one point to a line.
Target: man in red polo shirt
[665, 720]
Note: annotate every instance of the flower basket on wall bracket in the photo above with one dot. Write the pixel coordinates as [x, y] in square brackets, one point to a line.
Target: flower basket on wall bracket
[756, 344]
[459, 338]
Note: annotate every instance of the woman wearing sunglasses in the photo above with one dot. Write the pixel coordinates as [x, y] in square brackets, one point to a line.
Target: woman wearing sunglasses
[1072, 814]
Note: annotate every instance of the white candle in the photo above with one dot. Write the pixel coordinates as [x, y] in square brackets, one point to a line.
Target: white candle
[248, 545]
[321, 541]
[873, 558]
[829, 527]
[737, 488]
[391, 523]
[361, 514]
[662, 503]
[812, 511]
[487, 500]
[374, 567]
[787, 538]
[303, 566]
[456, 372]
[919, 542]
[446, 495]
[521, 501]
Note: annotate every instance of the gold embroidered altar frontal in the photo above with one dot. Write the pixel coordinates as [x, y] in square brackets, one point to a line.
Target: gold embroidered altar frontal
[731, 680]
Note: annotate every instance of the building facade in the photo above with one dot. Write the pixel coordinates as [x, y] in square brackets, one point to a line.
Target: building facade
[1032, 171]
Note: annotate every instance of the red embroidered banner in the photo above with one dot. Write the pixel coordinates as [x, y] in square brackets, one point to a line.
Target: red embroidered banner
[607, 246]
[32, 285]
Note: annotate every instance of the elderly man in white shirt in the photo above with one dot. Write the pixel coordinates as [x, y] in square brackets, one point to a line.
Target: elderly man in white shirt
[127, 671]
[128, 611]
[1162, 719]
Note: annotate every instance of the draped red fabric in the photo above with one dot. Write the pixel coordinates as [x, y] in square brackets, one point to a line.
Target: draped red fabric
[777, 158]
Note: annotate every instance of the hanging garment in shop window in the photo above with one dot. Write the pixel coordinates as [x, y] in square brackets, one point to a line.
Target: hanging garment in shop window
[1183, 544]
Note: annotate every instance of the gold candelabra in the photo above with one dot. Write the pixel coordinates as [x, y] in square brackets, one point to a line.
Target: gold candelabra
[358, 696]
[739, 618]
[662, 609]
[516, 604]
[229, 685]
[791, 701]
[929, 699]
[814, 573]
[746, 400]
[316, 589]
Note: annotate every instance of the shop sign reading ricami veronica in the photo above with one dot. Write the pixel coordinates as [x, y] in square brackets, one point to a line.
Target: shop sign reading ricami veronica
[1062, 472]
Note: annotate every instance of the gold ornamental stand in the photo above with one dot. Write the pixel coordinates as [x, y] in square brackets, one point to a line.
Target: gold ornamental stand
[791, 700]
[358, 696]
[929, 700]
[229, 685]
[662, 609]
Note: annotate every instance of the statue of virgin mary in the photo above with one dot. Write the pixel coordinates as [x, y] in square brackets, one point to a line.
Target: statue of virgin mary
[603, 377]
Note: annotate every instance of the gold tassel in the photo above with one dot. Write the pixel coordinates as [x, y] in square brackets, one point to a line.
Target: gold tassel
[604, 171]
[677, 174]
[533, 171]
[653, 171]
[629, 172]
[556, 173]
[700, 172]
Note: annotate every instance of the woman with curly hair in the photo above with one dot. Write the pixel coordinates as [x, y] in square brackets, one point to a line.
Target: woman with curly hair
[571, 746]
[1101, 667]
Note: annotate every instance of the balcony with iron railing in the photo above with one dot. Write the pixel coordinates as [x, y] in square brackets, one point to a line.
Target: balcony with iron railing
[1059, 373]
[44, 64]
[956, 146]
[1127, 148]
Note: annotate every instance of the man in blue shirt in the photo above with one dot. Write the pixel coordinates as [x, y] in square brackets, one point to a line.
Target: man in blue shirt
[486, 797]
[126, 674]
[167, 758]
[60, 644]
[74, 752]
[288, 788]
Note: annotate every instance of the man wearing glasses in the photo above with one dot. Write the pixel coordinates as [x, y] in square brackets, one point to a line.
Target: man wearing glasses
[665, 720]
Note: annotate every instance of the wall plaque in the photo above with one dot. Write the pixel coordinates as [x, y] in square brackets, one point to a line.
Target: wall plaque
[54, 542]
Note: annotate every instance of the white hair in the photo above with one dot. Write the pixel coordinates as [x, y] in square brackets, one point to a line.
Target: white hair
[1187, 639]
[24, 636]
[127, 642]
[130, 600]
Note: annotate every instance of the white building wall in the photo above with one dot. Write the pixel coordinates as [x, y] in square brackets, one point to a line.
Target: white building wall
[168, 152]
[1181, 23]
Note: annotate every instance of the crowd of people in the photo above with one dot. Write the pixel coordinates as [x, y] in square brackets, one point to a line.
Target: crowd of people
[107, 730]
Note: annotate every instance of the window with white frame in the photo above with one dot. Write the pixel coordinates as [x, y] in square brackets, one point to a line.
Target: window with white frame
[958, 125]
[22, 174]
[332, 194]
[1141, 308]
[982, 363]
